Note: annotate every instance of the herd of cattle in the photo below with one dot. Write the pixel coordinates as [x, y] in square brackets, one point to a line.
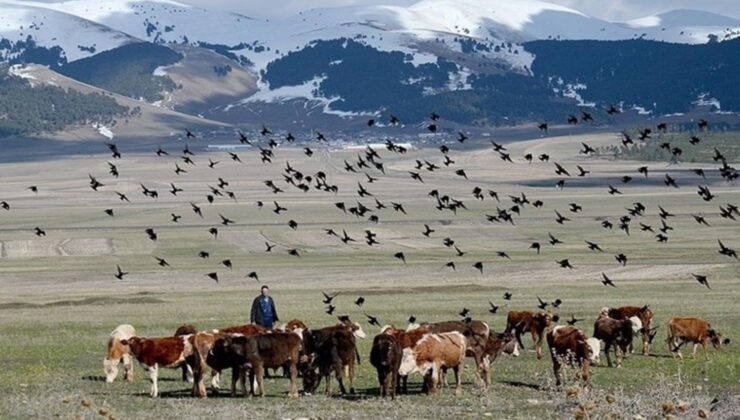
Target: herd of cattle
[429, 349]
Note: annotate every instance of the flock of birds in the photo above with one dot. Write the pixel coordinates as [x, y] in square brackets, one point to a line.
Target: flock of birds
[369, 168]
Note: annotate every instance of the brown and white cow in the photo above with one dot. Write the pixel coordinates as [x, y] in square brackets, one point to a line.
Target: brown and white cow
[520, 322]
[434, 352]
[153, 353]
[119, 353]
[692, 330]
[186, 329]
[615, 333]
[569, 344]
[256, 353]
[646, 317]
[385, 356]
[295, 326]
[476, 334]
[407, 339]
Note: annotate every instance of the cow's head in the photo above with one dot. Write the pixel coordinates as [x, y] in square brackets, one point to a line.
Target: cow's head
[408, 362]
[636, 324]
[716, 339]
[595, 347]
[357, 330]
[134, 344]
[110, 367]
[545, 319]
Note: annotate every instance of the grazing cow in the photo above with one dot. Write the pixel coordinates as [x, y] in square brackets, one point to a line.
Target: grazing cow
[258, 352]
[330, 349]
[692, 330]
[153, 353]
[434, 352]
[407, 339]
[386, 355]
[522, 321]
[569, 344]
[119, 353]
[615, 333]
[186, 329]
[646, 317]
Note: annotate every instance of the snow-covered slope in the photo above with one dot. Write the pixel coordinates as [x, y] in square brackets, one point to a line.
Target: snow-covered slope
[76, 36]
[692, 26]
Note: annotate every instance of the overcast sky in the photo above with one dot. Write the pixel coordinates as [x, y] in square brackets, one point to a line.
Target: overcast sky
[613, 10]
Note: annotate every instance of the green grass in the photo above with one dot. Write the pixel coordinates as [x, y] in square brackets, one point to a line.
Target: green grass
[58, 307]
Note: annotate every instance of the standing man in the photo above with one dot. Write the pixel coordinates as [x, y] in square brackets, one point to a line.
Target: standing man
[263, 309]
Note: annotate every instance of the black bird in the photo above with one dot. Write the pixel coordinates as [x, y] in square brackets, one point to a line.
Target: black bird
[225, 221]
[542, 304]
[581, 171]
[479, 266]
[643, 170]
[427, 230]
[607, 224]
[726, 251]
[330, 309]
[227, 264]
[542, 127]
[560, 170]
[560, 219]
[5, 205]
[204, 254]
[212, 163]
[162, 262]
[294, 252]
[373, 320]
[293, 224]
[554, 240]
[565, 264]
[109, 212]
[701, 279]
[253, 275]
[160, 152]
[278, 208]
[213, 231]
[587, 149]
[493, 308]
[189, 134]
[451, 265]
[594, 246]
[556, 303]
[213, 276]
[151, 234]
[621, 258]
[34, 189]
[174, 190]
[196, 209]
[112, 169]
[670, 181]
[507, 296]
[573, 320]
[614, 191]
[607, 281]
[700, 172]
[464, 313]
[535, 245]
[700, 219]
[119, 274]
[359, 301]
[664, 214]
[400, 256]
[268, 247]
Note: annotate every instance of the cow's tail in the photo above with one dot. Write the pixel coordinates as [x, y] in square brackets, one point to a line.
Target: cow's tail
[357, 355]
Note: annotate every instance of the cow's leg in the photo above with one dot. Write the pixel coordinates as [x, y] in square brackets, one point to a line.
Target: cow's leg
[434, 379]
[537, 339]
[485, 371]
[128, 368]
[394, 382]
[585, 365]
[646, 340]
[607, 348]
[259, 371]
[351, 375]
[340, 379]
[693, 352]
[235, 374]
[215, 381]
[252, 383]
[382, 382]
[199, 387]
[403, 384]
[556, 365]
[153, 373]
[458, 379]
[618, 354]
[293, 367]
[518, 335]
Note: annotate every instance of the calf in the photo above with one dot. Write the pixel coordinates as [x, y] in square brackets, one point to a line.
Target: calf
[495, 345]
[692, 330]
[615, 333]
[434, 352]
[407, 339]
[257, 353]
[330, 349]
[153, 353]
[646, 317]
[295, 326]
[386, 355]
[568, 343]
[119, 353]
[186, 329]
[522, 321]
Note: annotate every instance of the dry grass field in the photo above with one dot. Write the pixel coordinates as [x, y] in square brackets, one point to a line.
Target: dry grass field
[59, 298]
